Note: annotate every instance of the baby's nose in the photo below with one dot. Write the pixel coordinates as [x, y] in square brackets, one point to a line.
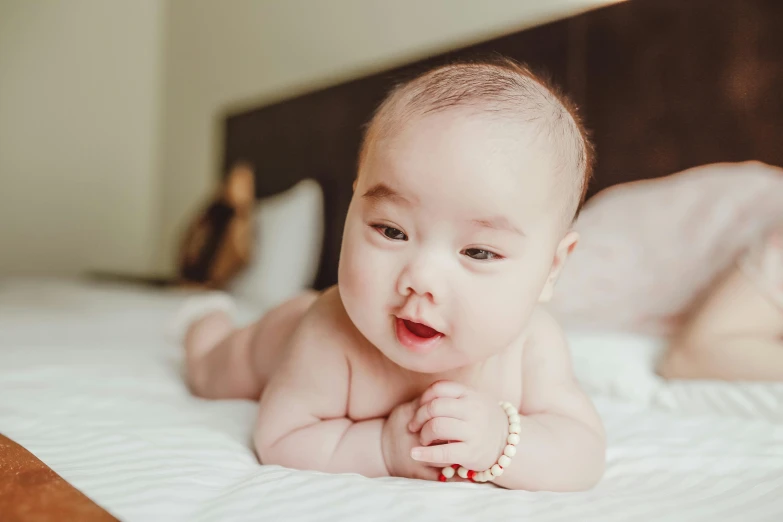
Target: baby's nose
[422, 277]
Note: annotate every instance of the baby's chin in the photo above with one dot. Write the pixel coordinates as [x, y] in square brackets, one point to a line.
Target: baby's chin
[440, 360]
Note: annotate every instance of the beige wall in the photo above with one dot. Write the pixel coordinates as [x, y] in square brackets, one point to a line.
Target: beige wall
[243, 52]
[79, 89]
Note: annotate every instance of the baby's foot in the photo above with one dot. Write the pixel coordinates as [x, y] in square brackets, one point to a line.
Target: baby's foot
[206, 333]
[200, 325]
[196, 308]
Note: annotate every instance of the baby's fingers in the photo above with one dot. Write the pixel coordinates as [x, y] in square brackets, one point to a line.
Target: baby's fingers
[450, 389]
[438, 407]
[443, 454]
[426, 473]
[443, 429]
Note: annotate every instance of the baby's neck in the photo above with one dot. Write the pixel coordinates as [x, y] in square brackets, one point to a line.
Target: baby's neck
[469, 375]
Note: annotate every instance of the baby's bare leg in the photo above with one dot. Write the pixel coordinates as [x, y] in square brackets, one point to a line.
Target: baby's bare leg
[735, 334]
[225, 362]
[741, 358]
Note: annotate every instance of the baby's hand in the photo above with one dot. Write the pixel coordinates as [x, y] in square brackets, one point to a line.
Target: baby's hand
[459, 426]
[397, 443]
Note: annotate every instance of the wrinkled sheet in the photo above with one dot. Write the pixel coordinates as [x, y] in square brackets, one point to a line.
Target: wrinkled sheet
[90, 385]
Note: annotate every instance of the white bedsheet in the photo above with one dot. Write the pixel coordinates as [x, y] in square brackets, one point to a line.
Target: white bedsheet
[88, 384]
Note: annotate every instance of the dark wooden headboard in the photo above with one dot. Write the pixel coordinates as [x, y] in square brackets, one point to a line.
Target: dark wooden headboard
[663, 85]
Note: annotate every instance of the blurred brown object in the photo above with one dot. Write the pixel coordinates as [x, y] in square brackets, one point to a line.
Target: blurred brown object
[31, 491]
[217, 243]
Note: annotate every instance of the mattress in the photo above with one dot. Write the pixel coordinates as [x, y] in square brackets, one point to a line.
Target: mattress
[90, 385]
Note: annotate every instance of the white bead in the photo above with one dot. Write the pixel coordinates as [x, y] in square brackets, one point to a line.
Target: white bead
[514, 419]
[484, 476]
[514, 427]
[448, 472]
[462, 472]
[504, 461]
[509, 451]
[506, 405]
[497, 471]
[513, 439]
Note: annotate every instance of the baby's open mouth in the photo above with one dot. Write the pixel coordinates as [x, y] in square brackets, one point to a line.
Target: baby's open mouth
[420, 330]
[417, 337]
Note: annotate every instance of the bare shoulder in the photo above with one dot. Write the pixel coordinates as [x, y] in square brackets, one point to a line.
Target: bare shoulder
[546, 344]
[546, 363]
[549, 383]
[326, 327]
[314, 373]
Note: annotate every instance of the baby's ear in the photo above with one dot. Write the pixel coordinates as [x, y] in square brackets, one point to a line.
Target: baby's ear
[564, 249]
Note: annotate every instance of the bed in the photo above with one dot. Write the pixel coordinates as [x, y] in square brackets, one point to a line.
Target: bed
[91, 385]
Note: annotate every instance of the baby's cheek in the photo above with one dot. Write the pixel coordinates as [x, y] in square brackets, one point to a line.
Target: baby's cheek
[359, 274]
[500, 314]
[350, 277]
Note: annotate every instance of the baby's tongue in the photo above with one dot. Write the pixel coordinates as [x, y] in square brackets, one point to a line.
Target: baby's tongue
[420, 329]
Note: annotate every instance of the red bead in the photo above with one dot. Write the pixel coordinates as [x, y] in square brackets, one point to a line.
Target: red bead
[455, 466]
[471, 474]
[442, 478]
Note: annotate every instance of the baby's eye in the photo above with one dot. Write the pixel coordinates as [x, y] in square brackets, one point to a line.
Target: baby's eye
[479, 254]
[392, 233]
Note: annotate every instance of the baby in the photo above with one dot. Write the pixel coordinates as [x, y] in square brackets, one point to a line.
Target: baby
[469, 178]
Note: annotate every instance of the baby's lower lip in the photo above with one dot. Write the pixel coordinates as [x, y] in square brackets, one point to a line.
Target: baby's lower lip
[413, 342]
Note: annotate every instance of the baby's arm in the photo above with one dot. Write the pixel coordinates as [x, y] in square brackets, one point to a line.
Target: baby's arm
[302, 420]
[562, 442]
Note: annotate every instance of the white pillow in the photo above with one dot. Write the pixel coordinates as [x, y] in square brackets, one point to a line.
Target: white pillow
[287, 244]
[616, 364]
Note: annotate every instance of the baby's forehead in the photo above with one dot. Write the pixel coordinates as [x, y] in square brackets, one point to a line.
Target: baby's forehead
[523, 186]
[494, 132]
[468, 137]
[485, 158]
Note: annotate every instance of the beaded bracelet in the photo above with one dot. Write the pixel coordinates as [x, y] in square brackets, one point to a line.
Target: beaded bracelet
[503, 462]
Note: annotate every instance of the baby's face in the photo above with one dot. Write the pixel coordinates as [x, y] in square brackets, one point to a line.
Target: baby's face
[450, 240]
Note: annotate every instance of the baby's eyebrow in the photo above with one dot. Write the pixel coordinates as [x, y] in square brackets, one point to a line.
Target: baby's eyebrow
[383, 192]
[498, 223]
